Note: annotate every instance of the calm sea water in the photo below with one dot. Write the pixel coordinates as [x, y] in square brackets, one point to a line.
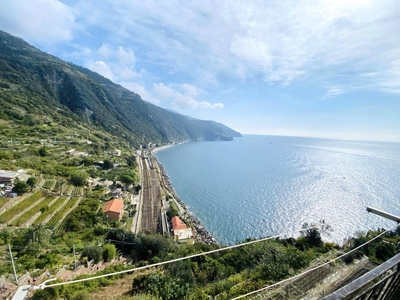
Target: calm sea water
[258, 186]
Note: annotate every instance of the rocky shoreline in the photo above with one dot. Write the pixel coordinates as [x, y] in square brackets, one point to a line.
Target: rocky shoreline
[200, 232]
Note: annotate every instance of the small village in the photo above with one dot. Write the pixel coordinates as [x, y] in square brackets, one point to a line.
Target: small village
[31, 199]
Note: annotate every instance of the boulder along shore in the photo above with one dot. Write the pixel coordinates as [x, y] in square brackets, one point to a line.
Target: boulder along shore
[201, 233]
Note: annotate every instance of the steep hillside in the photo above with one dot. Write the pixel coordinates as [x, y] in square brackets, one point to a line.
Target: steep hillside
[34, 84]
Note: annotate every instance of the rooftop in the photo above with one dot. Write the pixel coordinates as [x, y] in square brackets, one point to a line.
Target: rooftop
[8, 174]
[114, 205]
[177, 223]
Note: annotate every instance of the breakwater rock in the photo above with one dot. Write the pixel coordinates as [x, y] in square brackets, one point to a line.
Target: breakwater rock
[200, 232]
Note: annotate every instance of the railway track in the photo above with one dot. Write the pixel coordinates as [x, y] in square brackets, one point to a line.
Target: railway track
[151, 206]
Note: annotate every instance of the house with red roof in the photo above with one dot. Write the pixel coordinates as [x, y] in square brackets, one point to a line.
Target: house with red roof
[182, 234]
[177, 223]
[114, 209]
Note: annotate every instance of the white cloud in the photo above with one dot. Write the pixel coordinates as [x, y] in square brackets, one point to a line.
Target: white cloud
[187, 102]
[102, 68]
[140, 90]
[125, 56]
[126, 73]
[163, 91]
[279, 41]
[183, 99]
[37, 21]
[105, 51]
[390, 81]
[333, 92]
[115, 63]
[190, 90]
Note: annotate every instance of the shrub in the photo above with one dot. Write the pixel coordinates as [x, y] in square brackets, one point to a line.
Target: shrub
[109, 252]
[93, 253]
[79, 178]
[20, 187]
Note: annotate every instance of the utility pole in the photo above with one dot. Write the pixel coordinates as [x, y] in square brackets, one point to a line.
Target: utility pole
[12, 262]
[73, 248]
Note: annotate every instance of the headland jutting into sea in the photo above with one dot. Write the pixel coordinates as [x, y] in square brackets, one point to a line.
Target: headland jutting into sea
[200, 232]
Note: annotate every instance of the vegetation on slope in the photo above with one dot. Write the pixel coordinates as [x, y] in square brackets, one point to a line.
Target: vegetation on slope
[221, 275]
[49, 108]
[35, 86]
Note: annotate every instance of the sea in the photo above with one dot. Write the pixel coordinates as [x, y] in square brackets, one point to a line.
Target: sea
[258, 186]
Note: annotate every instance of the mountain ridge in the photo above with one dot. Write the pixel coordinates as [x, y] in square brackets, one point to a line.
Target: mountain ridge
[54, 87]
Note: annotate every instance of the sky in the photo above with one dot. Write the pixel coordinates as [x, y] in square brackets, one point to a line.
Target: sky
[315, 68]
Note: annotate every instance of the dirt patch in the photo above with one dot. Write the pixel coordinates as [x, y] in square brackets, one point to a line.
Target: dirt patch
[113, 292]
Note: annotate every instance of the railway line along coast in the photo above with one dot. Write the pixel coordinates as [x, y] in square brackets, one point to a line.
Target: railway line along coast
[153, 204]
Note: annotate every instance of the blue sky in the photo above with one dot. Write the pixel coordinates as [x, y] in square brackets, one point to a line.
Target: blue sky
[305, 68]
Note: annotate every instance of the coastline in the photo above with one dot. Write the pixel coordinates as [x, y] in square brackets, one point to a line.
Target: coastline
[163, 147]
[200, 232]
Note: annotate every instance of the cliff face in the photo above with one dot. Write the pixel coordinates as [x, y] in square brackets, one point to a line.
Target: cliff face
[34, 82]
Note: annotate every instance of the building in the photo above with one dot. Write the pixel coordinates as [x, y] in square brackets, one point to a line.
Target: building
[7, 176]
[182, 234]
[114, 209]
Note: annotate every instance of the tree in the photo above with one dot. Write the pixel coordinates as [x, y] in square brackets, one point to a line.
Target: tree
[384, 251]
[312, 235]
[127, 179]
[39, 233]
[31, 182]
[109, 252]
[79, 178]
[138, 188]
[6, 155]
[92, 253]
[43, 151]
[107, 164]
[131, 161]
[20, 187]
[6, 236]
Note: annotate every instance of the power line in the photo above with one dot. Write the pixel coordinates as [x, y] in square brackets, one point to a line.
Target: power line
[185, 257]
[310, 270]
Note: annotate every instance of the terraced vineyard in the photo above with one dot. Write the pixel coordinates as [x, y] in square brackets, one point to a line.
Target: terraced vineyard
[68, 189]
[58, 187]
[49, 184]
[52, 208]
[32, 211]
[10, 213]
[77, 191]
[61, 214]
[3, 201]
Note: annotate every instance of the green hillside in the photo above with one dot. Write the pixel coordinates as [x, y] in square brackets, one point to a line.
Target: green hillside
[36, 86]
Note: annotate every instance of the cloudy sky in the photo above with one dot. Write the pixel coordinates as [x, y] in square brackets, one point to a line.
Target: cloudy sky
[305, 68]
